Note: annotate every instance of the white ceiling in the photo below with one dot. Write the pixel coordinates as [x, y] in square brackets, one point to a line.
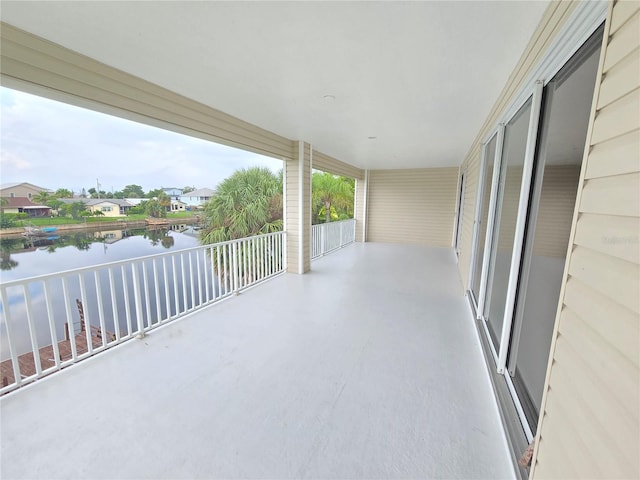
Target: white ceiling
[419, 76]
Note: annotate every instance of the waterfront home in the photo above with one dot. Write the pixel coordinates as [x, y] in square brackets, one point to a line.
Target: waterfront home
[197, 198]
[24, 205]
[173, 192]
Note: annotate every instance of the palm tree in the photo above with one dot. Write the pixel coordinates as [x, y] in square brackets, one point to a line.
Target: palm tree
[330, 193]
[247, 203]
[42, 197]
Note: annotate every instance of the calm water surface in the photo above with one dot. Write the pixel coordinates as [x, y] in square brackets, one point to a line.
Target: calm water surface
[28, 257]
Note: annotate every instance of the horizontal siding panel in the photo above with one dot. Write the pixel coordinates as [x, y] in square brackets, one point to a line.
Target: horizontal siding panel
[618, 326]
[568, 452]
[614, 278]
[581, 426]
[36, 61]
[619, 195]
[623, 78]
[622, 13]
[625, 40]
[136, 95]
[412, 206]
[596, 403]
[610, 235]
[336, 167]
[615, 157]
[599, 361]
[618, 118]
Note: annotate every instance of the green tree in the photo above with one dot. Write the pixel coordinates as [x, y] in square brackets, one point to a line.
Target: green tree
[133, 191]
[331, 196]
[158, 192]
[247, 203]
[7, 220]
[55, 204]
[154, 208]
[73, 210]
[42, 197]
[63, 193]
[188, 189]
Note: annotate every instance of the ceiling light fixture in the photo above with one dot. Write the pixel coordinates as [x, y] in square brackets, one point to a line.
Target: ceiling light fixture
[329, 98]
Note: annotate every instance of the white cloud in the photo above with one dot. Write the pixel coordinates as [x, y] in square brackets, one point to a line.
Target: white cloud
[11, 161]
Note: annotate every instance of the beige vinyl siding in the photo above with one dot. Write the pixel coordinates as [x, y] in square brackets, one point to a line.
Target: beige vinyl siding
[412, 206]
[298, 235]
[35, 65]
[552, 22]
[359, 208]
[336, 167]
[590, 425]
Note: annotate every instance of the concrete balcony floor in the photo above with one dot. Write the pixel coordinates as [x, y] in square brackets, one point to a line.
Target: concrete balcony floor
[367, 367]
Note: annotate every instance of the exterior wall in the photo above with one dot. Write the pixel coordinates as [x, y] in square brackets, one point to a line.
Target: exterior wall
[552, 22]
[298, 210]
[412, 206]
[115, 209]
[590, 426]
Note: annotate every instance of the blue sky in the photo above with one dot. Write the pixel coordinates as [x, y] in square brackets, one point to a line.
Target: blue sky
[55, 145]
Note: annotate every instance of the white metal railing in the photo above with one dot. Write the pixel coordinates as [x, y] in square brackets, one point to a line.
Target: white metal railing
[52, 321]
[327, 237]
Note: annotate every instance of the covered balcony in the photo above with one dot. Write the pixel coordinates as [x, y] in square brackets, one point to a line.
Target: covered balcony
[367, 367]
[369, 362]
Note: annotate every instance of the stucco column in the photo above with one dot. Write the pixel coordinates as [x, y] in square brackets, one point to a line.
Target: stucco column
[297, 209]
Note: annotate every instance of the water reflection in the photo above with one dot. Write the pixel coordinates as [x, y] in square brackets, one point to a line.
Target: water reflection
[30, 256]
[164, 286]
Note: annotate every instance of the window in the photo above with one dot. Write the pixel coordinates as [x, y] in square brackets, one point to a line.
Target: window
[107, 209]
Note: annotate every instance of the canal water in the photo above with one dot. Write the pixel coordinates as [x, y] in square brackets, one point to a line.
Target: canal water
[33, 256]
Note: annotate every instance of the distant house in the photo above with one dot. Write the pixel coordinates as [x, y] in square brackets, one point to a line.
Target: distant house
[178, 206]
[24, 205]
[110, 207]
[23, 189]
[173, 192]
[198, 197]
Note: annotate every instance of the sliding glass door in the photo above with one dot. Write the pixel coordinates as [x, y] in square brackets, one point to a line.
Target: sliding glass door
[482, 217]
[566, 108]
[504, 226]
[525, 207]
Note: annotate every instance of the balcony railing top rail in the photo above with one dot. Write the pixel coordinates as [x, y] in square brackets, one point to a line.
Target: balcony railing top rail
[42, 328]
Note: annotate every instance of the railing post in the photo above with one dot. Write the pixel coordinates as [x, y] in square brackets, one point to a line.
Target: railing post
[234, 266]
[137, 300]
[323, 239]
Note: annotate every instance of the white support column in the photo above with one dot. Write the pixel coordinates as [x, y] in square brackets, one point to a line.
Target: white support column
[297, 205]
